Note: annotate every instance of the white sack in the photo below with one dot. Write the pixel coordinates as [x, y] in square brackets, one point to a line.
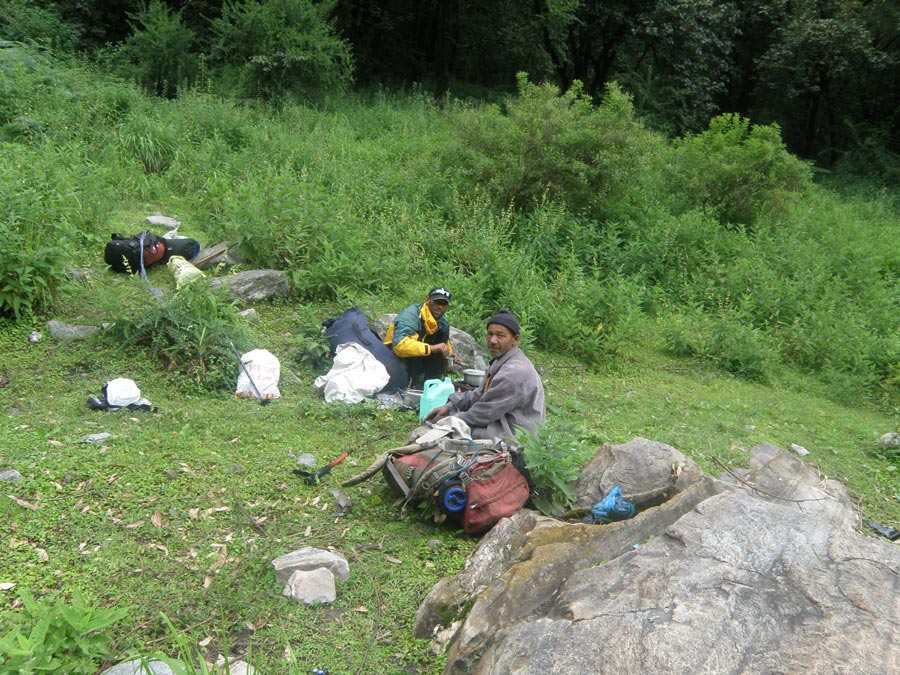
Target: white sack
[121, 392]
[354, 375]
[265, 369]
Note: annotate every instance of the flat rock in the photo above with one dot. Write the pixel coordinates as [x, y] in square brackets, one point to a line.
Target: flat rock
[254, 285]
[310, 558]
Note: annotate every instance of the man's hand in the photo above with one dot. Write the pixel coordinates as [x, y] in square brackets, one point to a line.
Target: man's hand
[438, 413]
[440, 348]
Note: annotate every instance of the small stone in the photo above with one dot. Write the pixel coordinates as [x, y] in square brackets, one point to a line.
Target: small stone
[163, 221]
[306, 461]
[10, 475]
[799, 449]
[96, 438]
[34, 336]
[309, 558]
[309, 586]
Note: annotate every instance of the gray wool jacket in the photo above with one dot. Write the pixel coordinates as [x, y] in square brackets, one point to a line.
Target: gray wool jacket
[512, 396]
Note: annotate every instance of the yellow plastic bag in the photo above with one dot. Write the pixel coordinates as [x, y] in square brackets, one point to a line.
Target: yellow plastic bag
[184, 272]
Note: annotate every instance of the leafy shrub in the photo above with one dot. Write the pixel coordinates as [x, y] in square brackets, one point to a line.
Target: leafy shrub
[26, 21]
[51, 637]
[282, 47]
[158, 54]
[556, 145]
[743, 172]
[35, 238]
[727, 342]
[187, 332]
[553, 457]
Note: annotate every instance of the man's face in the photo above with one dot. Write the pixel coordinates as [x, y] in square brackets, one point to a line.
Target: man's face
[500, 340]
[437, 307]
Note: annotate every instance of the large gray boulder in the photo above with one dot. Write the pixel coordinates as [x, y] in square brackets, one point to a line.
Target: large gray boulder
[254, 285]
[762, 571]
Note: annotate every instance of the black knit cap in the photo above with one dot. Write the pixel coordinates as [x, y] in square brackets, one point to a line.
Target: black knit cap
[505, 318]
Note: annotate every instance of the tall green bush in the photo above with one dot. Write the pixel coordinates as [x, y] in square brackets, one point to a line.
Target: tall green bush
[277, 48]
[741, 171]
[159, 54]
[558, 145]
[27, 21]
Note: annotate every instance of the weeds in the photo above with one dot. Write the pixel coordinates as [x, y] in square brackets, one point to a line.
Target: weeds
[554, 456]
[53, 637]
[186, 332]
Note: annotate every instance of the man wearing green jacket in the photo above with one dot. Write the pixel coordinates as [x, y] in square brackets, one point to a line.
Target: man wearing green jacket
[420, 336]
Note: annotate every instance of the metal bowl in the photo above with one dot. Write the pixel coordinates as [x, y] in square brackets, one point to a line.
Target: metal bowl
[473, 378]
[411, 398]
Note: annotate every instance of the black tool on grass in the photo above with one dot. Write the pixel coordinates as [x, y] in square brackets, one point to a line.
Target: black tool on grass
[262, 401]
[312, 477]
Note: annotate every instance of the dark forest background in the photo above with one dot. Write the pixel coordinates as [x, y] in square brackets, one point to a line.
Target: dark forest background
[826, 71]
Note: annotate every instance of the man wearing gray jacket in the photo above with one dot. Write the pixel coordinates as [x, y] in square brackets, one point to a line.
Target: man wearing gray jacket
[512, 395]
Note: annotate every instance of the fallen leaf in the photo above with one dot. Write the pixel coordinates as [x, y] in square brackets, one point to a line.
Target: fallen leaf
[23, 503]
[161, 548]
[54, 442]
[42, 554]
[205, 641]
[156, 519]
[193, 513]
[429, 564]
[207, 582]
[360, 609]
[135, 524]
[308, 531]
[391, 559]
[7, 585]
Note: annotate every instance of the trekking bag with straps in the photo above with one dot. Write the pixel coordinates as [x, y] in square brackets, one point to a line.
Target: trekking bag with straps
[473, 483]
[134, 254]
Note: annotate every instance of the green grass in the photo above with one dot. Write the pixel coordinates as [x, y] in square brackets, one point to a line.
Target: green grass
[181, 512]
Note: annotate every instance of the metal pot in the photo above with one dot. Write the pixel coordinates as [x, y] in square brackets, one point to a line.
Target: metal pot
[473, 378]
[411, 398]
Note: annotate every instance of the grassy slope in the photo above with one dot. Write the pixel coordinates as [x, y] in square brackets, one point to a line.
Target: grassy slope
[180, 512]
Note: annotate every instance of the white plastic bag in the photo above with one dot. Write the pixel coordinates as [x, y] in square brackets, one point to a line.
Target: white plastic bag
[122, 392]
[354, 375]
[265, 370]
[183, 270]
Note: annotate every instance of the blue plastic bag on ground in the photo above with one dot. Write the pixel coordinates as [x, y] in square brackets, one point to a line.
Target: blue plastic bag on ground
[612, 507]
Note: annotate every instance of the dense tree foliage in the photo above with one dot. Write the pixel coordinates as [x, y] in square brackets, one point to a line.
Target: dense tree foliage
[826, 71]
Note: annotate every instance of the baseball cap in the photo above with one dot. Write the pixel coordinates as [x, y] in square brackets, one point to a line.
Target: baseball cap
[439, 293]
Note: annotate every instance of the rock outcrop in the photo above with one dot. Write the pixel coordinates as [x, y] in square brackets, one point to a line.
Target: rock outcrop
[760, 571]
